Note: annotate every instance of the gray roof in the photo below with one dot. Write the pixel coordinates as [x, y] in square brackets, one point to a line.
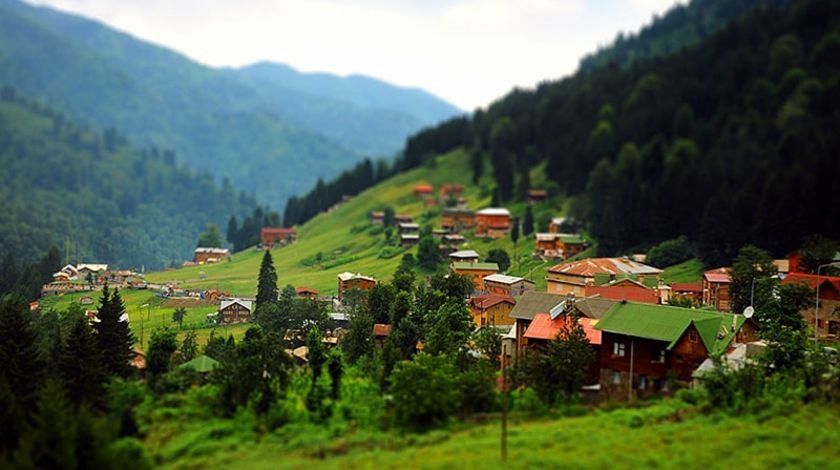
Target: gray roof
[594, 307]
[532, 303]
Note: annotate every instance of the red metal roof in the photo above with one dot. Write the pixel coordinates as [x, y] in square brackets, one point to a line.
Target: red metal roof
[485, 301]
[306, 290]
[687, 287]
[543, 327]
[719, 275]
[278, 231]
[424, 188]
[811, 280]
[630, 292]
[613, 266]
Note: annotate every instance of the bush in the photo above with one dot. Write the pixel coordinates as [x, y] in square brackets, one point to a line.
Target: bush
[128, 453]
[424, 391]
[670, 252]
[527, 400]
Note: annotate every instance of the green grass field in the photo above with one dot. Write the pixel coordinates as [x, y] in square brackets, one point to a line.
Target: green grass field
[665, 435]
[687, 271]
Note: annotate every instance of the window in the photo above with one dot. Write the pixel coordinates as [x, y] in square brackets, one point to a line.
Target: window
[616, 377]
[658, 355]
[642, 382]
[692, 336]
[618, 349]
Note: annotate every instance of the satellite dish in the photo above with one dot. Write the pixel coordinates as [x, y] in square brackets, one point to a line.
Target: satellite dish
[749, 311]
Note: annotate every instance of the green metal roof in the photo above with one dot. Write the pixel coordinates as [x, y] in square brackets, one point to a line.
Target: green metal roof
[476, 266]
[572, 240]
[200, 364]
[667, 323]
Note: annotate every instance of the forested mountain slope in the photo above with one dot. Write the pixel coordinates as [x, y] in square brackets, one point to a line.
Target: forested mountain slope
[731, 141]
[67, 186]
[258, 132]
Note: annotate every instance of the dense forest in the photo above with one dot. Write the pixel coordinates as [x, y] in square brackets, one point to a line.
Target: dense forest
[96, 198]
[729, 141]
[262, 125]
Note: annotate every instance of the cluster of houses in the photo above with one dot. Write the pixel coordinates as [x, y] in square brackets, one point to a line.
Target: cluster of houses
[90, 276]
[560, 242]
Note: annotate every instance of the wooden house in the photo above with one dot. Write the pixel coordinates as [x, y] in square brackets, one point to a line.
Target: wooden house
[692, 291]
[456, 219]
[536, 195]
[558, 245]
[511, 286]
[493, 222]
[381, 332]
[463, 256]
[408, 227]
[409, 239]
[234, 311]
[716, 288]
[475, 271]
[306, 293]
[547, 327]
[210, 255]
[626, 289]
[826, 322]
[564, 225]
[274, 236]
[491, 309]
[92, 270]
[403, 219]
[423, 191]
[644, 346]
[451, 191]
[573, 277]
[376, 217]
[348, 281]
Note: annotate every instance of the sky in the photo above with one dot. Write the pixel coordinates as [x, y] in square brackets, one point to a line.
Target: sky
[468, 52]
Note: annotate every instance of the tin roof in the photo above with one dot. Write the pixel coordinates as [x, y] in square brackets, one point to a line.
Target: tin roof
[475, 266]
[494, 211]
[591, 266]
[544, 327]
[504, 279]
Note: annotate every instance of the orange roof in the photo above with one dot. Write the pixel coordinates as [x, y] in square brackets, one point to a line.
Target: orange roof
[811, 280]
[687, 287]
[631, 292]
[278, 231]
[306, 290]
[613, 266]
[381, 329]
[543, 327]
[719, 275]
[424, 188]
[485, 301]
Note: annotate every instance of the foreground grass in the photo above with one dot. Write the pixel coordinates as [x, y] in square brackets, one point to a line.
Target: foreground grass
[668, 435]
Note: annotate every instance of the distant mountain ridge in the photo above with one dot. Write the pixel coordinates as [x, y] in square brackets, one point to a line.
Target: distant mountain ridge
[273, 138]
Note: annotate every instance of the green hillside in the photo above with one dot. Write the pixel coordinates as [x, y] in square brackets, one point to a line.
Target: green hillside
[260, 134]
[348, 242]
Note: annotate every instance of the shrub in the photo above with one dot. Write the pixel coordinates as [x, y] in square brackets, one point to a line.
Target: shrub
[670, 252]
[424, 391]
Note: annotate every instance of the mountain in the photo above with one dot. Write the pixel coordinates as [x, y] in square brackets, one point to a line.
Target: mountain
[730, 141]
[70, 187]
[245, 125]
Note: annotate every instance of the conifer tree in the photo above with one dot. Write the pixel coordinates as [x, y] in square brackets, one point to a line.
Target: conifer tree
[20, 360]
[113, 336]
[81, 365]
[267, 282]
[528, 222]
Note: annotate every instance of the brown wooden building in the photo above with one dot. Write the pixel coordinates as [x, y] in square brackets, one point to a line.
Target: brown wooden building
[493, 222]
[491, 309]
[716, 288]
[273, 236]
[234, 311]
[476, 272]
[828, 323]
[573, 277]
[210, 255]
[348, 281]
[456, 219]
[510, 286]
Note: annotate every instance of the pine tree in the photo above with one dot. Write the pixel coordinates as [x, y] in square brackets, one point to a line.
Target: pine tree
[81, 365]
[528, 222]
[20, 360]
[113, 336]
[267, 282]
[514, 232]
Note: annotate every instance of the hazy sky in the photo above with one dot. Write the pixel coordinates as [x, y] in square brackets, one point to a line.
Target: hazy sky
[468, 52]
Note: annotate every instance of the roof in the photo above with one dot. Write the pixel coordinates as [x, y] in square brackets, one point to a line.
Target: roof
[544, 327]
[464, 254]
[93, 267]
[218, 251]
[346, 276]
[306, 290]
[381, 329]
[668, 324]
[409, 236]
[409, 225]
[546, 237]
[591, 266]
[475, 266]
[811, 280]
[537, 192]
[594, 307]
[719, 275]
[423, 188]
[227, 303]
[457, 210]
[278, 230]
[485, 301]
[572, 239]
[532, 303]
[503, 279]
[687, 287]
[499, 211]
[200, 364]
[625, 291]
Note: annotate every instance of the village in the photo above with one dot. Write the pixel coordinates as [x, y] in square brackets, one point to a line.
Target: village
[648, 337]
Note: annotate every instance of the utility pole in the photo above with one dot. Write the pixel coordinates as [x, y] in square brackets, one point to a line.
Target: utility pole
[504, 402]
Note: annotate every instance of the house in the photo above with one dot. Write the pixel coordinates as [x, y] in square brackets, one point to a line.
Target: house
[235, 311]
[507, 285]
[409, 239]
[456, 219]
[716, 288]
[558, 245]
[491, 309]
[306, 293]
[451, 191]
[536, 195]
[527, 307]
[423, 191]
[91, 269]
[546, 327]
[403, 219]
[827, 323]
[644, 347]
[67, 273]
[493, 222]
[381, 332]
[463, 256]
[451, 241]
[625, 289]
[573, 277]
[564, 225]
[376, 217]
[475, 271]
[408, 227]
[273, 236]
[692, 291]
[348, 281]
[210, 255]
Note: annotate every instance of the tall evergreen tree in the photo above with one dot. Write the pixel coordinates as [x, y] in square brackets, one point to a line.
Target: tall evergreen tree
[267, 282]
[113, 335]
[528, 222]
[20, 360]
[81, 365]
